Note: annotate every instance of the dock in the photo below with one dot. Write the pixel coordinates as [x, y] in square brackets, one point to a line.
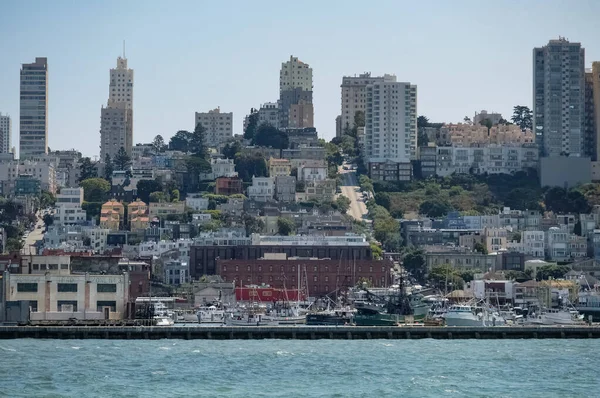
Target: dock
[298, 332]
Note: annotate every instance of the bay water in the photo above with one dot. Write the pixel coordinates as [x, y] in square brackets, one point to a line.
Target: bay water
[292, 368]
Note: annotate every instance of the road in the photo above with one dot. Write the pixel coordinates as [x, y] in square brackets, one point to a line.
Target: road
[351, 190]
[34, 236]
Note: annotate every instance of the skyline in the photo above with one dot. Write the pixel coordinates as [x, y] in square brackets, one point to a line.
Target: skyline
[194, 61]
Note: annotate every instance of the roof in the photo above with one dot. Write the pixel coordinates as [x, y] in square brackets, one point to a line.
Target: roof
[459, 294]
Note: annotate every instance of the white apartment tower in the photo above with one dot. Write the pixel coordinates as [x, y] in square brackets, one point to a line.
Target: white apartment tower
[116, 124]
[5, 132]
[354, 96]
[558, 98]
[390, 129]
[295, 73]
[33, 128]
[218, 125]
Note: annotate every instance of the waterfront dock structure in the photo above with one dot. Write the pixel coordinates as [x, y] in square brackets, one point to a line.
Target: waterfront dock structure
[298, 332]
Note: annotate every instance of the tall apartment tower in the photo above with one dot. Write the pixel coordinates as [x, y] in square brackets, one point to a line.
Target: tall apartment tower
[592, 110]
[390, 129]
[354, 96]
[33, 128]
[218, 125]
[558, 98]
[116, 123]
[295, 91]
[5, 132]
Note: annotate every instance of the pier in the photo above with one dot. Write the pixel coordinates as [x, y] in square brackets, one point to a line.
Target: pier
[298, 332]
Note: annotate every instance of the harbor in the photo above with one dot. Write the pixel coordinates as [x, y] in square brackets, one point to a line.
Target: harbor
[197, 332]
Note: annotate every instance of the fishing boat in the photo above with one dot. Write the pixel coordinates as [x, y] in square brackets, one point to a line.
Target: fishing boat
[249, 318]
[554, 316]
[334, 317]
[468, 315]
[210, 314]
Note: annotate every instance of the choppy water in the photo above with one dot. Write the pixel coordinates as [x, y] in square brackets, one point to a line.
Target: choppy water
[286, 368]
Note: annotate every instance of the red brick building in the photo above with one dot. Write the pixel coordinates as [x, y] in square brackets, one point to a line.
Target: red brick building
[228, 186]
[323, 276]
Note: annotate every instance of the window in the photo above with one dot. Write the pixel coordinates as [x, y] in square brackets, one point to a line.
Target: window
[66, 305]
[106, 288]
[67, 287]
[33, 305]
[27, 287]
[111, 304]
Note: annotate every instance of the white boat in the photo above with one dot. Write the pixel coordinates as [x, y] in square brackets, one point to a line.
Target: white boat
[210, 314]
[466, 315]
[553, 316]
[249, 319]
[164, 321]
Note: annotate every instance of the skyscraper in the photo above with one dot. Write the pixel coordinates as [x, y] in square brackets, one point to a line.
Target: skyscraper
[592, 110]
[5, 131]
[390, 129]
[558, 98]
[354, 96]
[33, 128]
[295, 88]
[116, 124]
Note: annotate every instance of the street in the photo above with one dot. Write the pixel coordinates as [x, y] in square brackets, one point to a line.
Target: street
[34, 236]
[351, 190]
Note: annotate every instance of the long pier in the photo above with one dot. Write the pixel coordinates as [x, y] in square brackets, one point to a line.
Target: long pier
[298, 332]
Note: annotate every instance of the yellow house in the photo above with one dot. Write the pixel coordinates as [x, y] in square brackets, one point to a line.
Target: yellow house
[279, 167]
[137, 215]
[111, 215]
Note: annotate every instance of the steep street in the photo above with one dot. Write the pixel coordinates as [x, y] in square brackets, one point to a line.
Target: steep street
[351, 190]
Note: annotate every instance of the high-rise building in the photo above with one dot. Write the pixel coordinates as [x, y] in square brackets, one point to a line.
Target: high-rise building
[558, 98]
[354, 96]
[116, 124]
[592, 110]
[5, 131]
[218, 125]
[390, 129]
[33, 128]
[295, 87]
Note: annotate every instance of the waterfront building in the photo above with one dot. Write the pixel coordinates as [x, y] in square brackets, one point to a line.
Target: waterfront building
[218, 125]
[558, 98]
[390, 130]
[295, 88]
[68, 207]
[5, 134]
[33, 128]
[116, 123]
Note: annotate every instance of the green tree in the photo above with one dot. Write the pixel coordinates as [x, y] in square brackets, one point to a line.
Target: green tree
[487, 123]
[86, 169]
[445, 276]
[343, 203]
[522, 117]
[146, 187]
[480, 248]
[47, 199]
[198, 145]
[157, 197]
[435, 207]
[48, 220]
[108, 168]
[253, 225]
[414, 262]
[285, 226]
[359, 119]
[553, 271]
[231, 149]
[269, 136]
[95, 189]
[122, 160]
[181, 141]
[252, 124]
[13, 245]
[376, 252]
[248, 165]
[383, 199]
[422, 121]
[158, 144]
[175, 195]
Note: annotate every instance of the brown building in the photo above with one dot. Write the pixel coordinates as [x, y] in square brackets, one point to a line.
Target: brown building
[203, 259]
[228, 186]
[321, 276]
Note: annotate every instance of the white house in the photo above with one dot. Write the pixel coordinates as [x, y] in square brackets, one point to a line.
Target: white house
[196, 201]
[68, 207]
[312, 170]
[262, 189]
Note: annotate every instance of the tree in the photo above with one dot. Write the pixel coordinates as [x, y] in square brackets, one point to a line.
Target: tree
[198, 145]
[158, 144]
[253, 225]
[48, 220]
[86, 169]
[359, 119]
[487, 123]
[47, 199]
[252, 124]
[522, 117]
[383, 199]
[553, 271]
[146, 187]
[414, 262]
[422, 121]
[248, 165]
[122, 160]
[231, 149]
[269, 136]
[435, 207]
[467, 120]
[175, 195]
[95, 189]
[480, 248]
[445, 275]
[285, 226]
[180, 141]
[343, 203]
[376, 252]
[157, 197]
[14, 244]
[108, 167]
[577, 228]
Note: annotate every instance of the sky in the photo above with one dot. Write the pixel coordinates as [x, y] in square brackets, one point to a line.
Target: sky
[193, 56]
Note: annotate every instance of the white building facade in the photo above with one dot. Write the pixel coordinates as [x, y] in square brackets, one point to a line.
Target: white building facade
[68, 207]
[218, 125]
[262, 189]
[5, 133]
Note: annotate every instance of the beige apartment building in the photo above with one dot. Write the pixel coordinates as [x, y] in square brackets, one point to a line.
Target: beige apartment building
[163, 209]
[218, 125]
[279, 167]
[462, 134]
[301, 115]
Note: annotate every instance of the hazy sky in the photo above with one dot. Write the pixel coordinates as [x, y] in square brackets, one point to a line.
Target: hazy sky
[193, 56]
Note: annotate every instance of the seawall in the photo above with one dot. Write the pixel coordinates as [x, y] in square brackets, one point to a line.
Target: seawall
[298, 332]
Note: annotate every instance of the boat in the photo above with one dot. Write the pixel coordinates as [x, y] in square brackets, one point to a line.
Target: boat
[163, 321]
[554, 316]
[588, 304]
[249, 318]
[162, 315]
[468, 315]
[335, 317]
[210, 314]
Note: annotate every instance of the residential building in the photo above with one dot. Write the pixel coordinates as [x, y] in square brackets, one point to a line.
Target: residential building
[494, 118]
[302, 153]
[219, 168]
[163, 209]
[462, 134]
[565, 172]
[558, 98]
[312, 170]
[285, 188]
[218, 125]
[27, 185]
[321, 190]
[557, 244]
[534, 243]
[33, 128]
[461, 259]
[428, 158]
[295, 87]
[137, 215]
[111, 215]
[302, 136]
[141, 150]
[262, 189]
[196, 201]
[301, 115]
[68, 207]
[116, 123]
[592, 112]
[42, 171]
[67, 167]
[5, 134]
[268, 113]
[228, 186]
[176, 272]
[279, 167]
[391, 127]
[57, 295]
[338, 125]
[354, 97]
